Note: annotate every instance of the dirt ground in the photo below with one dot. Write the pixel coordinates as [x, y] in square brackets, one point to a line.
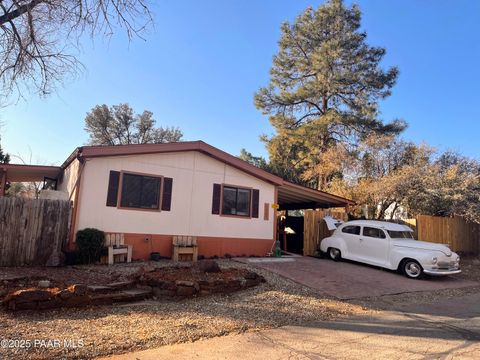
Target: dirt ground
[90, 332]
[121, 328]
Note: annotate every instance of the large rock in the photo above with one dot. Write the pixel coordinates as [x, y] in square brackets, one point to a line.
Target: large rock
[44, 284]
[80, 289]
[30, 295]
[159, 293]
[78, 301]
[27, 299]
[66, 294]
[186, 291]
[208, 266]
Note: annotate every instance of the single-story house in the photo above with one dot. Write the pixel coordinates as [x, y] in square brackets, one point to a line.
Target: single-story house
[151, 192]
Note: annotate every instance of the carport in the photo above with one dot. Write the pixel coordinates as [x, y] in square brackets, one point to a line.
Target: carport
[293, 200]
[25, 173]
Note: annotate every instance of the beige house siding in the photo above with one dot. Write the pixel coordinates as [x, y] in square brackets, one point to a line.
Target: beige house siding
[193, 176]
[69, 179]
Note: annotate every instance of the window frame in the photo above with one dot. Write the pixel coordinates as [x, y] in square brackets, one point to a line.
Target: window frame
[249, 216]
[376, 228]
[120, 191]
[349, 233]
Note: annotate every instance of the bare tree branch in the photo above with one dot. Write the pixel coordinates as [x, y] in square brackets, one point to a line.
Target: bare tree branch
[39, 39]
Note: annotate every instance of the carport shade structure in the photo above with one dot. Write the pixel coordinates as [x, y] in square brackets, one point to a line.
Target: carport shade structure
[296, 197]
[25, 173]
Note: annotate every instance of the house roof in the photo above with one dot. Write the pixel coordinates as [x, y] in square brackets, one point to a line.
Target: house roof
[140, 149]
[290, 195]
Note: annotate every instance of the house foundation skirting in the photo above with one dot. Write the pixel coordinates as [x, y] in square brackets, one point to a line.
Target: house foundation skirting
[144, 244]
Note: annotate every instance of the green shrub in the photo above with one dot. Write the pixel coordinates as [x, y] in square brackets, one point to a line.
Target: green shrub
[90, 243]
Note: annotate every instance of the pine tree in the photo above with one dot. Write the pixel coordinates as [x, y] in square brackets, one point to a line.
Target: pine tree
[4, 158]
[325, 86]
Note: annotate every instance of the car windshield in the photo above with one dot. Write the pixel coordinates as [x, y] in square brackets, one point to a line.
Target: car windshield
[400, 234]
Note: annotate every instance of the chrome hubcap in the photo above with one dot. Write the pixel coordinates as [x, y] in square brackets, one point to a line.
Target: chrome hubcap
[412, 269]
[334, 253]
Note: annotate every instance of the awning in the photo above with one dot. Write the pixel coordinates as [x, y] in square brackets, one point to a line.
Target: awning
[295, 197]
[25, 173]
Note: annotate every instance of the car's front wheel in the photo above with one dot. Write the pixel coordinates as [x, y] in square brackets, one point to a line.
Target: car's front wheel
[412, 269]
[334, 254]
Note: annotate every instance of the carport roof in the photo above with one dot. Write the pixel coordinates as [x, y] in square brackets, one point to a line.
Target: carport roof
[293, 197]
[20, 172]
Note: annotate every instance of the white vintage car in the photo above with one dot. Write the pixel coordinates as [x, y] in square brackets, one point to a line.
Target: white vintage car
[390, 246]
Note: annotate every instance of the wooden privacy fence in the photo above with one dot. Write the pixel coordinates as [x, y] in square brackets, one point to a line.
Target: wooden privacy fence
[315, 229]
[459, 234]
[32, 232]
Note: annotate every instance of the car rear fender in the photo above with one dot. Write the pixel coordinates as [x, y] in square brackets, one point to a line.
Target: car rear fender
[335, 242]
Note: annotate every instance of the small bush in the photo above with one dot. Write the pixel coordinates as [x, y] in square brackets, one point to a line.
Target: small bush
[90, 244]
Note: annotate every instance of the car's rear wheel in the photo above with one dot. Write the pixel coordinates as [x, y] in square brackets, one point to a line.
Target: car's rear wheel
[412, 269]
[334, 254]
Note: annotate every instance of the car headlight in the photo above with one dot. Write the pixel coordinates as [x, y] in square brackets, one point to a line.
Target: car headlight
[434, 260]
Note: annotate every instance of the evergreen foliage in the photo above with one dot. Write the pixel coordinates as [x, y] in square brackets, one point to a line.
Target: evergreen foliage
[325, 86]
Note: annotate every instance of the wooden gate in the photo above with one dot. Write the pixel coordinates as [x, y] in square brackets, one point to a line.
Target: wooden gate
[315, 229]
[32, 232]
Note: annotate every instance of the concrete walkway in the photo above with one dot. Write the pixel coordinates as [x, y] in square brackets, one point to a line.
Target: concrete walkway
[449, 329]
[349, 280]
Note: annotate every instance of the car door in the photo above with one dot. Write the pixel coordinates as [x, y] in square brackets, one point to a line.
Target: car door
[351, 235]
[374, 246]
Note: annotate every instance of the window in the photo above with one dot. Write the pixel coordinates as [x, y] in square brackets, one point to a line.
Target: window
[373, 232]
[236, 201]
[140, 191]
[400, 234]
[354, 230]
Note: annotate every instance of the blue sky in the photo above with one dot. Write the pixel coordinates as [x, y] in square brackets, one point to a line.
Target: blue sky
[199, 67]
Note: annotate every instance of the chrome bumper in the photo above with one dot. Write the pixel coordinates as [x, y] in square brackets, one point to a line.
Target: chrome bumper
[439, 272]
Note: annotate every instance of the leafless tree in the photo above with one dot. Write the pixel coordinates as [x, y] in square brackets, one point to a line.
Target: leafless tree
[39, 39]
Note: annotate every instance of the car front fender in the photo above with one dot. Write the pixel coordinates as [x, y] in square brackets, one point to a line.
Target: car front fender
[399, 253]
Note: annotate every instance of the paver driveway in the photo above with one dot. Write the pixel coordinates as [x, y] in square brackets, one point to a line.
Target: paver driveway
[348, 280]
[448, 329]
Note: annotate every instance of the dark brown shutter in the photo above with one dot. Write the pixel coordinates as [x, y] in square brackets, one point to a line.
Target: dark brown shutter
[255, 199]
[167, 194]
[112, 193]
[217, 190]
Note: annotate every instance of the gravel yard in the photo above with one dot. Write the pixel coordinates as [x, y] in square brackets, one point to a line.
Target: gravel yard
[121, 328]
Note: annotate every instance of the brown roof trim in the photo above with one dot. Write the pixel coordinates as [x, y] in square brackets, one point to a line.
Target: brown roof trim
[140, 149]
[70, 158]
[328, 196]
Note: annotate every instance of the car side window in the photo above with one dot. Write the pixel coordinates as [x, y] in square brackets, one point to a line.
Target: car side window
[374, 232]
[354, 230]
